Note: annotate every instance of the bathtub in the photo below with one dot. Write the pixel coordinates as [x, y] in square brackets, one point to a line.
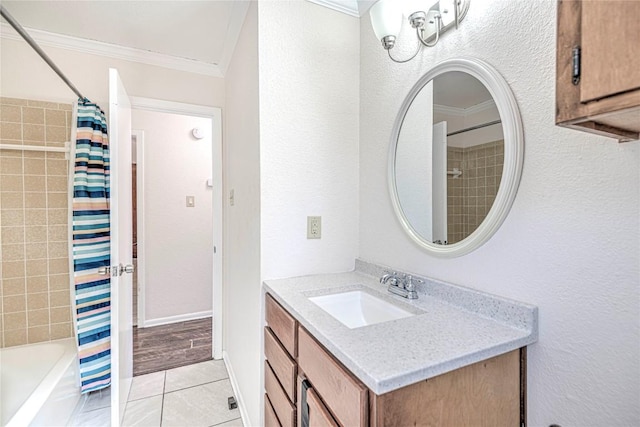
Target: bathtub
[38, 383]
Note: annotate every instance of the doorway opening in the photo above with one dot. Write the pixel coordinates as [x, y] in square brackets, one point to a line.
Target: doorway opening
[176, 163]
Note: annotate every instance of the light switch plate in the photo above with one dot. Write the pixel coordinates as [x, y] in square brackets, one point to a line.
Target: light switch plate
[314, 227]
[191, 201]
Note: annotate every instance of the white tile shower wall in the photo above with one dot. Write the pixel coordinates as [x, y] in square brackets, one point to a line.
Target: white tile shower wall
[570, 242]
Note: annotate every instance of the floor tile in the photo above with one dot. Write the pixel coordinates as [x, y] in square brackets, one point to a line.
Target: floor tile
[144, 412]
[147, 385]
[204, 405]
[232, 423]
[97, 400]
[96, 418]
[193, 375]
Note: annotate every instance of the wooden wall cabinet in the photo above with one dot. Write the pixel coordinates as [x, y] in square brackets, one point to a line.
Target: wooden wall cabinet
[488, 393]
[598, 67]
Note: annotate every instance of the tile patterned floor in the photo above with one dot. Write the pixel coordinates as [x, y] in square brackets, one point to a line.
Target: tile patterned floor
[194, 395]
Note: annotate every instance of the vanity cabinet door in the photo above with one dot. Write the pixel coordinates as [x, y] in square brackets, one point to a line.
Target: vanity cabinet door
[605, 98]
[319, 415]
[486, 393]
[346, 397]
[270, 417]
[312, 411]
[283, 325]
[283, 366]
[284, 409]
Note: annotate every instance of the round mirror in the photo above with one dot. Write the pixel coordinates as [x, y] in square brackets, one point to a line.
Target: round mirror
[456, 156]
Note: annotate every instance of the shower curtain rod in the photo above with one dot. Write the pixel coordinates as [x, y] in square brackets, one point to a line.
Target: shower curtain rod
[7, 16]
[495, 122]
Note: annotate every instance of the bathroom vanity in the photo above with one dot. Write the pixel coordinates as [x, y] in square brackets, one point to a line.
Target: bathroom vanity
[452, 357]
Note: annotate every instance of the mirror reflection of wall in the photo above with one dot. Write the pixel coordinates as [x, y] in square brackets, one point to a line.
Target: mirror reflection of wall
[414, 157]
[475, 150]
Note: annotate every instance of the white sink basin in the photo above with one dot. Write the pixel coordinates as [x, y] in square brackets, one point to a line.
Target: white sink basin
[356, 308]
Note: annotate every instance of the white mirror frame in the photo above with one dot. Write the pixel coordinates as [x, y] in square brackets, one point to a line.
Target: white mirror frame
[513, 154]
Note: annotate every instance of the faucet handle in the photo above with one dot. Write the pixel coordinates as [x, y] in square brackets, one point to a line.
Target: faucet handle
[410, 283]
[388, 275]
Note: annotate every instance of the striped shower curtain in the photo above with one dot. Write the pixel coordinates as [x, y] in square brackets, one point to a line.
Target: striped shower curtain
[91, 251]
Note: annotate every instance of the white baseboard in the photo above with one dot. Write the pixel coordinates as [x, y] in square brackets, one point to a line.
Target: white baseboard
[175, 319]
[236, 389]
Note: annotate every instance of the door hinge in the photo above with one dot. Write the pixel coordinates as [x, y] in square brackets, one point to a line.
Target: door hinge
[575, 65]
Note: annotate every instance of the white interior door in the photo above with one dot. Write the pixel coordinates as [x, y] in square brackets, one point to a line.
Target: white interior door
[440, 182]
[121, 247]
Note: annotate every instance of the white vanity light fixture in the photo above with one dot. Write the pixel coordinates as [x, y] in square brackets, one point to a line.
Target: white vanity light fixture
[430, 19]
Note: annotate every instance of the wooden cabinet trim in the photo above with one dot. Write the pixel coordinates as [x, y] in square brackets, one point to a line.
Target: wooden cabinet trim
[284, 409]
[523, 387]
[283, 366]
[345, 396]
[283, 325]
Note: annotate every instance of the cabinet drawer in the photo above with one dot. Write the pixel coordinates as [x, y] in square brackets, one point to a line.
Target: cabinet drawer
[283, 366]
[284, 409]
[270, 418]
[282, 324]
[318, 414]
[346, 397]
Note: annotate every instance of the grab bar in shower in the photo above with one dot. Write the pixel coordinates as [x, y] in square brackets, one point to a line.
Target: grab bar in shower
[20, 147]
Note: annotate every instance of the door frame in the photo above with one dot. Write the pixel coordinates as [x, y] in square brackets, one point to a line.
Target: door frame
[215, 114]
[139, 135]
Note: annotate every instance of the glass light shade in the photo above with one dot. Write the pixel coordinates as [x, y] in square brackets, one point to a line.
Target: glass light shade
[411, 6]
[386, 18]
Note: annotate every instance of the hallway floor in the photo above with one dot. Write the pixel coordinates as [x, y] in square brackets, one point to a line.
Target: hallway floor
[163, 347]
[194, 395]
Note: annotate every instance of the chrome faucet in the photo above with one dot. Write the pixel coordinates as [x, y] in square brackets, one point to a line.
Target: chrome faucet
[389, 276]
[403, 286]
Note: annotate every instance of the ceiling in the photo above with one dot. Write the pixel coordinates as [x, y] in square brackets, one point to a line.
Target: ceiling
[197, 36]
[459, 90]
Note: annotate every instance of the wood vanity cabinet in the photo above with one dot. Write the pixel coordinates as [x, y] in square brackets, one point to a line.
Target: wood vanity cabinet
[487, 393]
[599, 41]
[280, 367]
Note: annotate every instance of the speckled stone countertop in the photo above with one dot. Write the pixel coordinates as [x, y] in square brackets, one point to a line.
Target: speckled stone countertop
[453, 327]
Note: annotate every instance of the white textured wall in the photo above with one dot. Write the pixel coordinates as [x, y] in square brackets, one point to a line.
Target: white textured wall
[242, 314]
[309, 65]
[571, 242]
[26, 75]
[178, 240]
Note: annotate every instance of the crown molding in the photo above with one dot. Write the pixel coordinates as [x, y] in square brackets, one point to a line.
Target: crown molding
[486, 105]
[340, 6]
[463, 112]
[163, 106]
[450, 111]
[93, 47]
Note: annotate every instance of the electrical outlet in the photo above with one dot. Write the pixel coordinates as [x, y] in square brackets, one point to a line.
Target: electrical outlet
[314, 227]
